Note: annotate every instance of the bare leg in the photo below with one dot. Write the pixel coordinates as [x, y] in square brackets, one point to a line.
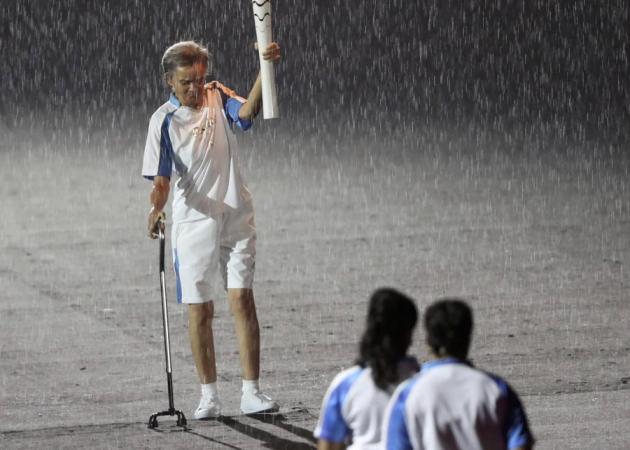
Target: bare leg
[247, 331]
[201, 340]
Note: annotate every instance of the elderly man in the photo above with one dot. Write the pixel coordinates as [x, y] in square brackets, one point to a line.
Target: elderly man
[190, 136]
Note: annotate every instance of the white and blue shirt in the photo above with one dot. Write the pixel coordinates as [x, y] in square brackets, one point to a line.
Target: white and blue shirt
[353, 407]
[199, 147]
[451, 405]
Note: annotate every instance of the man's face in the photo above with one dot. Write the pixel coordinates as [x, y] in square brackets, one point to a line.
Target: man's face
[187, 83]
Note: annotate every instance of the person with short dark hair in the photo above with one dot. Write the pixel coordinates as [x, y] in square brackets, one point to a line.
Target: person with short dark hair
[451, 405]
[354, 404]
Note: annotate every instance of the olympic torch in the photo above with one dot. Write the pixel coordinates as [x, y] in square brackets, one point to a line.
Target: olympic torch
[262, 19]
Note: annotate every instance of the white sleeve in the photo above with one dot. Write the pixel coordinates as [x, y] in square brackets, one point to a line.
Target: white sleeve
[156, 159]
[332, 425]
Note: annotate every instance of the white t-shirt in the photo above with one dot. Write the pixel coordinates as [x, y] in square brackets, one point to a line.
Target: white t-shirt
[199, 146]
[353, 407]
[450, 405]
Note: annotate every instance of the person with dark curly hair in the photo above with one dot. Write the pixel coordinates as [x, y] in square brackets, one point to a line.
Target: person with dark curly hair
[451, 405]
[353, 407]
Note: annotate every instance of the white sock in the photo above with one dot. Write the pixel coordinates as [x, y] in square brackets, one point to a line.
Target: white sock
[250, 386]
[209, 390]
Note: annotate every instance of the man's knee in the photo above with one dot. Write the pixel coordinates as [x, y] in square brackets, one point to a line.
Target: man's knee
[241, 301]
[200, 313]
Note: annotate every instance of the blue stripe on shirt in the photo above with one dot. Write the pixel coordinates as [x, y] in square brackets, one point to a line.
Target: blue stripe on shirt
[165, 166]
[178, 281]
[334, 427]
[397, 433]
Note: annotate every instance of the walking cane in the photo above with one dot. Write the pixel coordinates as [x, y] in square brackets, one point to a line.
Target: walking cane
[181, 419]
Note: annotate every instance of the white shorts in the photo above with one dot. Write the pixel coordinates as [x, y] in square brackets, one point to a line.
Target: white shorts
[203, 246]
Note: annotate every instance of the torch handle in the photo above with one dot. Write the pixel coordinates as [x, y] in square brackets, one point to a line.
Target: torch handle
[262, 20]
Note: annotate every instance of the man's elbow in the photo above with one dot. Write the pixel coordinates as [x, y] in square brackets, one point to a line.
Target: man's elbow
[249, 110]
[246, 117]
[246, 113]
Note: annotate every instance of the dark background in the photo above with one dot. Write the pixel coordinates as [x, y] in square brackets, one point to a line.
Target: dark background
[529, 66]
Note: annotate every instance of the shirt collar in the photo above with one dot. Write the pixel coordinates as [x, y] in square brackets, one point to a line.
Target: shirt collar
[174, 101]
[443, 361]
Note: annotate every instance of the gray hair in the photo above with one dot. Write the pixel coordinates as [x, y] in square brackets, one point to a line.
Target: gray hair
[183, 54]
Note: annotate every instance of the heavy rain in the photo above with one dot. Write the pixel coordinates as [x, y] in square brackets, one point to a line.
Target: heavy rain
[478, 149]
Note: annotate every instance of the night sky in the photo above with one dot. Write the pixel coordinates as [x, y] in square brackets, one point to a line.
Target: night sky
[538, 66]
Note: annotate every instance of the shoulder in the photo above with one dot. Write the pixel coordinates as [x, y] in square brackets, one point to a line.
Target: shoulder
[345, 378]
[436, 375]
[340, 387]
[337, 392]
[160, 114]
[503, 386]
[224, 91]
[406, 387]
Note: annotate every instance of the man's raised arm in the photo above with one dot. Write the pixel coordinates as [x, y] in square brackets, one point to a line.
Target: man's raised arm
[251, 107]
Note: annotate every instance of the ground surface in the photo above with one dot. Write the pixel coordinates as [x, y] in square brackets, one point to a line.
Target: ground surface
[536, 237]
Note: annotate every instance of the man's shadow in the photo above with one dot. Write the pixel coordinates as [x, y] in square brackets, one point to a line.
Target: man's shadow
[279, 420]
[267, 439]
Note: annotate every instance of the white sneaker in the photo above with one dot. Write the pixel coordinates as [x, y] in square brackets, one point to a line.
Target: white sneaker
[209, 408]
[254, 402]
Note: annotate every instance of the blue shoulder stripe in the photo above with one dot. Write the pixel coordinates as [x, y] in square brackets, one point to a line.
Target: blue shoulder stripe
[397, 437]
[165, 166]
[178, 282]
[334, 427]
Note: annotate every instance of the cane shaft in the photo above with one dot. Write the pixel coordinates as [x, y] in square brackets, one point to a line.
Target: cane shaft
[167, 337]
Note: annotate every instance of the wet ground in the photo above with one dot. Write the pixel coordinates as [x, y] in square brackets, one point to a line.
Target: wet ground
[535, 234]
